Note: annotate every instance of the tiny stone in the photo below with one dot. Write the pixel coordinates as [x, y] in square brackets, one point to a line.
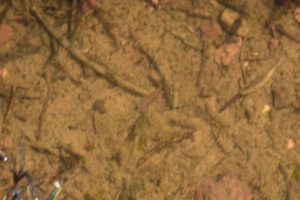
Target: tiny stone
[228, 18]
[21, 115]
[243, 28]
[233, 23]
[290, 144]
[98, 106]
[6, 33]
[266, 109]
[282, 95]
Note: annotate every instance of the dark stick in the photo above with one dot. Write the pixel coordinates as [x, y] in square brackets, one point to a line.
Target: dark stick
[101, 69]
[42, 114]
[164, 83]
[251, 89]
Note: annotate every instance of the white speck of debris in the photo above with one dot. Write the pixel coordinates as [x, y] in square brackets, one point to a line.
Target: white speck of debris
[4, 72]
[290, 144]
[266, 109]
[57, 184]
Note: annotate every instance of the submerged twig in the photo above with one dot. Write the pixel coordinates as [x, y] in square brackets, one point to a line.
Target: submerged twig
[38, 134]
[243, 72]
[1, 121]
[163, 145]
[165, 86]
[190, 44]
[72, 14]
[287, 181]
[5, 11]
[147, 101]
[289, 35]
[19, 52]
[59, 66]
[199, 13]
[202, 63]
[107, 28]
[101, 69]
[252, 89]
[10, 104]
[262, 82]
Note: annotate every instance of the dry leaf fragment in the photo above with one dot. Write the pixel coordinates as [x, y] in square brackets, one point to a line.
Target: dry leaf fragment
[6, 33]
[228, 54]
[211, 31]
[6, 142]
[148, 100]
[87, 5]
[273, 44]
[223, 187]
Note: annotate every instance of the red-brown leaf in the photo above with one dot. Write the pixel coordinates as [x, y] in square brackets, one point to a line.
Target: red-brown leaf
[6, 33]
[86, 5]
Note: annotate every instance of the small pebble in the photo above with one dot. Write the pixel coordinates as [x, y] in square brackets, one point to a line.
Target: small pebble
[99, 107]
[283, 95]
[266, 109]
[290, 144]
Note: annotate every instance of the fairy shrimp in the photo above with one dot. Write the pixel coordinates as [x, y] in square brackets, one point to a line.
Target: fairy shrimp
[146, 102]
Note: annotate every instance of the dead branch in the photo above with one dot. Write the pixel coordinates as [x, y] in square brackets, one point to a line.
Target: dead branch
[165, 86]
[252, 89]
[262, 83]
[202, 63]
[101, 69]
[38, 134]
[190, 44]
[162, 146]
[243, 71]
[288, 34]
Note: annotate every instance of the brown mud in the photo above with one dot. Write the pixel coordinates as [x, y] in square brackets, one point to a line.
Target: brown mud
[152, 99]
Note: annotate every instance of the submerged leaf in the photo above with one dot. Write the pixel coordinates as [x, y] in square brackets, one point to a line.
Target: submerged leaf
[6, 33]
